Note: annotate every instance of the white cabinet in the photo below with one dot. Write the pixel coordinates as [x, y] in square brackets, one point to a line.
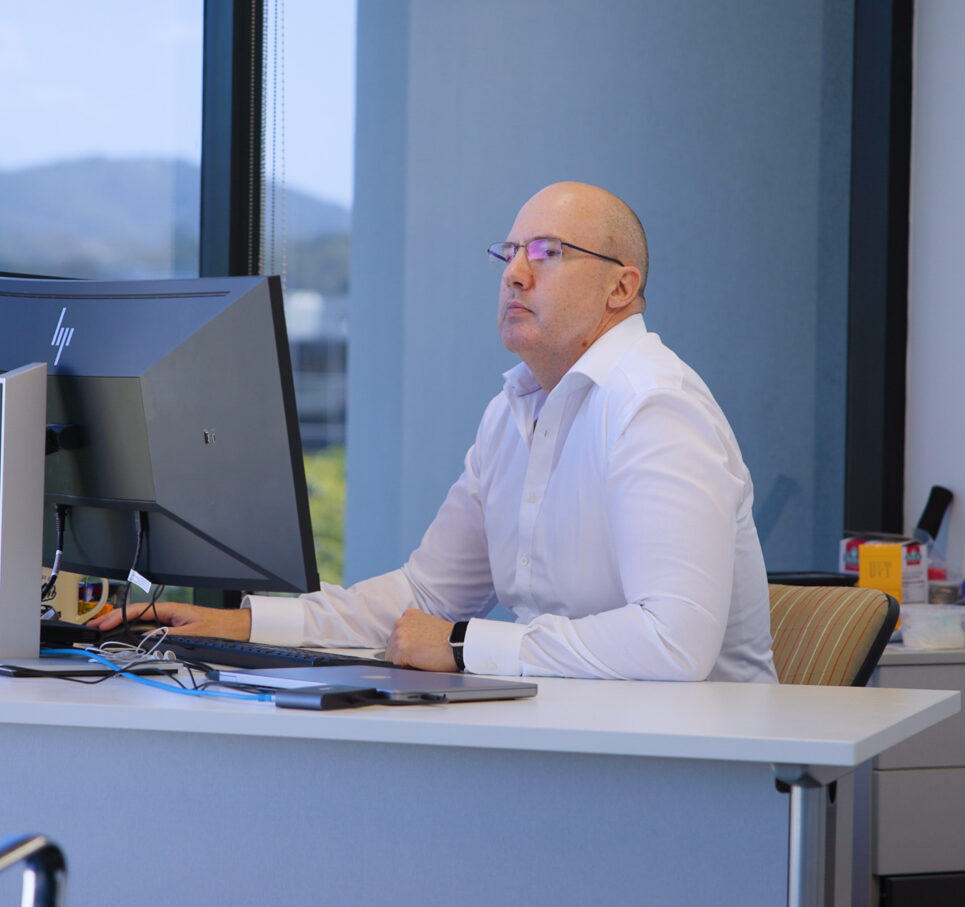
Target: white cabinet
[918, 787]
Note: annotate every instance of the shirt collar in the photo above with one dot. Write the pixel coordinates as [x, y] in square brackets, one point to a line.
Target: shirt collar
[601, 358]
[596, 363]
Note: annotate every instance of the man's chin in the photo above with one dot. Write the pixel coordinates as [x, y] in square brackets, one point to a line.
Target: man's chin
[515, 335]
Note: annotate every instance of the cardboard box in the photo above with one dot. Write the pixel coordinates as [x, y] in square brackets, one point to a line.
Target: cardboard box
[895, 564]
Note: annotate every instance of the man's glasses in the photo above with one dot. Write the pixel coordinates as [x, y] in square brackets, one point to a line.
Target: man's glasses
[539, 250]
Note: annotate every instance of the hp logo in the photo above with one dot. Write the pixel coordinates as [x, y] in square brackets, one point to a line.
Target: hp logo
[62, 335]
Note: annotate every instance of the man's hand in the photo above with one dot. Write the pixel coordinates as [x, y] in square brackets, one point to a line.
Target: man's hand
[421, 641]
[189, 620]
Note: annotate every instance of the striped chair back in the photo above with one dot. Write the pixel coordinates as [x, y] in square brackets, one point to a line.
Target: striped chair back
[829, 635]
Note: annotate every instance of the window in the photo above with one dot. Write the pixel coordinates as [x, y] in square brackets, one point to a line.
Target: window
[308, 155]
[103, 178]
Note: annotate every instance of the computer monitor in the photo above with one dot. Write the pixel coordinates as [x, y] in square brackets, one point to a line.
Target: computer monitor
[23, 394]
[173, 403]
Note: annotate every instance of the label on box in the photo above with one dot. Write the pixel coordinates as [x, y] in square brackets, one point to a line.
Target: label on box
[898, 568]
[879, 567]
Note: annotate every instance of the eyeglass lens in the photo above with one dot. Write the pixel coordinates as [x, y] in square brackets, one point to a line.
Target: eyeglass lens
[536, 250]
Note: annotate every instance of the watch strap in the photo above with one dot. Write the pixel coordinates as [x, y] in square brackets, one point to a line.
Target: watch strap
[457, 639]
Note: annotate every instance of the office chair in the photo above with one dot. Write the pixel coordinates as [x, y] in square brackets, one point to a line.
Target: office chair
[829, 635]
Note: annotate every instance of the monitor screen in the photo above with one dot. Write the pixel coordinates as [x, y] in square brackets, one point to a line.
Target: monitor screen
[172, 405]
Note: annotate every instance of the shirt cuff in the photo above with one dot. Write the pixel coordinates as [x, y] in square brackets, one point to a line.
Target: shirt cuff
[492, 647]
[275, 621]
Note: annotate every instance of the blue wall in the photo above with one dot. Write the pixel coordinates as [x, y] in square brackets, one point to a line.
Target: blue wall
[725, 125]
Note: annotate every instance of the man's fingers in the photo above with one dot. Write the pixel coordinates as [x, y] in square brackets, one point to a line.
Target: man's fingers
[139, 611]
[186, 620]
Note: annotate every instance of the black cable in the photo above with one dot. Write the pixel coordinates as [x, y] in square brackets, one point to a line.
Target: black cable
[191, 666]
[154, 597]
[140, 524]
[49, 589]
[152, 605]
[116, 670]
[123, 670]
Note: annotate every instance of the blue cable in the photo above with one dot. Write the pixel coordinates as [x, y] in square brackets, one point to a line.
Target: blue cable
[96, 656]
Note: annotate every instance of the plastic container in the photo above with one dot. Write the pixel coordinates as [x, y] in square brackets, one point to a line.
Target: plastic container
[933, 626]
[945, 592]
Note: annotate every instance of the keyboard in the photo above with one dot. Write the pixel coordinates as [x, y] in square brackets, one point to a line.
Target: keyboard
[237, 654]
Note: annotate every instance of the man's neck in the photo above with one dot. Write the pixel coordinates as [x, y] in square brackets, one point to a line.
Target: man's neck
[551, 372]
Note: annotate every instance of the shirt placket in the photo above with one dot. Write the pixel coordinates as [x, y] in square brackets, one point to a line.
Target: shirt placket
[538, 469]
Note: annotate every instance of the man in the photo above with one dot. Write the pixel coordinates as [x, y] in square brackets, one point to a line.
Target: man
[604, 503]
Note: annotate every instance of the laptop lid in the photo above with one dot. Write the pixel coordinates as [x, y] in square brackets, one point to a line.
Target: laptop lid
[396, 684]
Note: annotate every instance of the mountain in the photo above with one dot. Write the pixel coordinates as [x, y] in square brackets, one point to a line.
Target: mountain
[99, 217]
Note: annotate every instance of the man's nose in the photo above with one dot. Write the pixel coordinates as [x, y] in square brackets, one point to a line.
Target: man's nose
[518, 271]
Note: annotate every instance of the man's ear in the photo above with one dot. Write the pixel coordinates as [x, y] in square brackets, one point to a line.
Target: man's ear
[625, 289]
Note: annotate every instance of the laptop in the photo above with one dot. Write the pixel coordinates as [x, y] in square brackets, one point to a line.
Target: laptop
[394, 685]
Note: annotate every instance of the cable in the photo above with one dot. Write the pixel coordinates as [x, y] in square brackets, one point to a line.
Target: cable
[158, 634]
[155, 595]
[134, 654]
[262, 697]
[49, 589]
[118, 648]
[140, 524]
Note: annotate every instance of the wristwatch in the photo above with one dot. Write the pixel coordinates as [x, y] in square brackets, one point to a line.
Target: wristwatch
[457, 639]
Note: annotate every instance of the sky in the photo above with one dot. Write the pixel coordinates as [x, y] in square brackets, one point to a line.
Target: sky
[118, 78]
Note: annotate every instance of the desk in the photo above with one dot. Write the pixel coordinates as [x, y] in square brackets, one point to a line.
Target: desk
[593, 792]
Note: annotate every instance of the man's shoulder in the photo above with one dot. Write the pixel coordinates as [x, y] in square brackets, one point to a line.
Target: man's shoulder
[631, 359]
[648, 365]
[648, 377]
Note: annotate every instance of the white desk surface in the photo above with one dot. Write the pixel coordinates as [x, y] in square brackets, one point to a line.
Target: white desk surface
[830, 726]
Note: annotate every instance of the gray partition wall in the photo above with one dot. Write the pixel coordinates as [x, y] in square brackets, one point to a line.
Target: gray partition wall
[725, 125]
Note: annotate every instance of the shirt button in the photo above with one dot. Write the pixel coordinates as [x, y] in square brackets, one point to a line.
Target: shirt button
[524, 560]
[533, 497]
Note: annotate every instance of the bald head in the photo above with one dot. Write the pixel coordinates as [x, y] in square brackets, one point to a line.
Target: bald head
[607, 220]
[552, 310]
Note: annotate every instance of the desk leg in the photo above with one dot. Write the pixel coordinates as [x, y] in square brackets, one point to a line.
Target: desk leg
[806, 846]
[807, 838]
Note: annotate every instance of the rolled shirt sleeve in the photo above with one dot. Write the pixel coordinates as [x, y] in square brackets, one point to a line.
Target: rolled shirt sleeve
[447, 576]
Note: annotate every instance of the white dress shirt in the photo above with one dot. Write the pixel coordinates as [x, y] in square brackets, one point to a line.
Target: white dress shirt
[611, 517]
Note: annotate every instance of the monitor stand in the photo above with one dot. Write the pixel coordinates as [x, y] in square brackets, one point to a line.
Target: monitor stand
[23, 418]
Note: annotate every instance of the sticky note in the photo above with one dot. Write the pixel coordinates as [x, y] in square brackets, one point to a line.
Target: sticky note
[879, 567]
